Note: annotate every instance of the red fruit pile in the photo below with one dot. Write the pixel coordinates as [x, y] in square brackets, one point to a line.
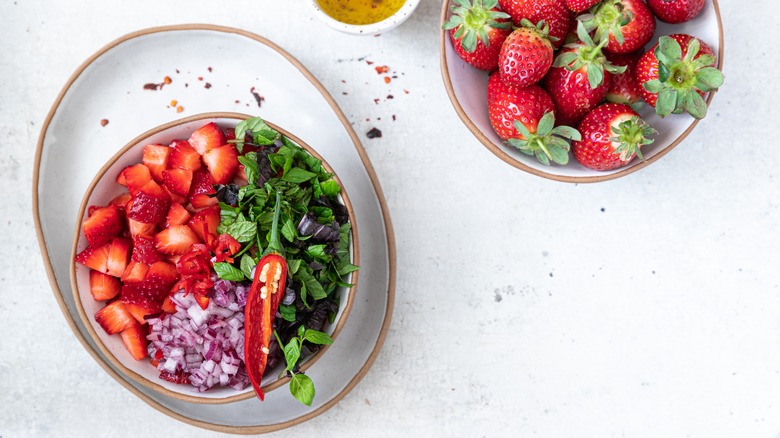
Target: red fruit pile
[569, 64]
[155, 239]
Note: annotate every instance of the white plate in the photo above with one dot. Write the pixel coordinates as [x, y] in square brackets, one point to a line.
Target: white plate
[73, 146]
[467, 88]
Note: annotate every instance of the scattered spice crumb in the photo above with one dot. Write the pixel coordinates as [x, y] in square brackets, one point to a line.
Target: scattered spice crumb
[376, 101]
[167, 80]
[207, 86]
[343, 81]
[374, 133]
[387, 79]
[381, 69]
[603, 209]
[209, 69]
[394, 117]
[186, 85]
[238, 101]
[406, 91]
[378, 118]
[344, 93]
[368, 119]
[152, 86]
[369, 62]
[103, 122]
[177, 71]
[200, 78]
[179, 109]
[174, 102]
[258, 98]
[390, 96]
[395, 76]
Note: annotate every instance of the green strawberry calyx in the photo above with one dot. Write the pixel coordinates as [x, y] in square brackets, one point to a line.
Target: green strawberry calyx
[630, 135]
[548, 143]
[541, 28]
[680, 79]
[607, 18]
[473, 19]
[586, 53]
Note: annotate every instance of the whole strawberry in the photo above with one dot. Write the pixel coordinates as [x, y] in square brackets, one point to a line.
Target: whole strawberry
[629, 24]
[478, 29]
[578, 6]
[676, 11]
[623, 87]
[553, 12]
[579, 78]
[526, 55]
[506, 104]
[676, 73]
[612, 135]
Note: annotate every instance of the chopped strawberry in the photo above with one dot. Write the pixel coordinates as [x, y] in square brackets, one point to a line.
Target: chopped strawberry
[154, 287]
[121, 201]
[230, 134]
[176, 239]
[114, 318]
[207, 137]
[141, 310]
[222, 163]
[202, 186]
[184, 156]
[94, 258]
[103, 224]
[177, 215]
[204, 223]
[178, 181]
[91, 210]
[241, 179]
[144, 250]
[102, 286]
[140, 228]
[176, 199]
[135, 272]
[118, 256]
[150, 204]
[174, 258]
[156, 158]
[135, 341]
[134, 177]
[179, 377]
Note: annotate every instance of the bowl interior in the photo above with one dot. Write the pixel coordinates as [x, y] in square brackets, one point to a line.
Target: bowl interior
[103, 189]
[467, 87]
[385, 25]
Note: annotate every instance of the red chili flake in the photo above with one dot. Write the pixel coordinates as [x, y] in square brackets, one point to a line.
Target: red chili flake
[390, 96]
[394, 117]
[207, 86]
[374, 133]
[103, 122]
[387, 79]
[369, 62]
[167, 80]
[200, 78]
[406, 91]
[343, 81]
[376, 101]
[209, 69]
[179, 109]
[174, 102]
[381, 69]
[238, 101]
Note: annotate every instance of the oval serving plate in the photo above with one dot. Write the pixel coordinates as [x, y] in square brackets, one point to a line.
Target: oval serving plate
[103, 189]
[467, 88]
[110, 86]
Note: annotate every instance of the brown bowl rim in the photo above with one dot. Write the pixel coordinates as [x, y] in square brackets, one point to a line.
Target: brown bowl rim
[57, 292]
[78, 296]
[504, 156]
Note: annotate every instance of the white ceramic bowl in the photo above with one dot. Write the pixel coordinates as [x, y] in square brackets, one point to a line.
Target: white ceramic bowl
[366, 29]
[467, 88]
[103, 189]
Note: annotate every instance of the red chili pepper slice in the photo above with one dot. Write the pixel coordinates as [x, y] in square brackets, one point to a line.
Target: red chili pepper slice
[224, 247]
[262, 303]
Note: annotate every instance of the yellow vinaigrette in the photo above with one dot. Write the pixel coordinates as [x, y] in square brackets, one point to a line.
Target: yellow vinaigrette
[360, 11]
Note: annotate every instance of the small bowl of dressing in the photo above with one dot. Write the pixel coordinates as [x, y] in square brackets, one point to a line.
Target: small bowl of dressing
[363, 17]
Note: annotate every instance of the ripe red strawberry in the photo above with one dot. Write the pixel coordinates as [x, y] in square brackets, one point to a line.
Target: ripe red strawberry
[179, 377]
[140, 229]
[134, 177]
[150, 204]
[177, 181]
[102, 286]
[135, 272]
[629, 25]
[134, 338]
[578, 6]
[114, 318]
[509, 104]
[156, 158]
[207, 137]
[676, 73]
[477, 30]
[205, 223]
[155, 286]
[202, 186]
[141, 310]
[526, 55]
[95, 258]
[553, 12]
[612, 135]
[177, 215]
[176, 239]
[121, 201]
[144, 250]
[184, 156]
[579, 79]
[118, 256]
[103, 224]
[222, 163]
[676, 11]
[623, 88]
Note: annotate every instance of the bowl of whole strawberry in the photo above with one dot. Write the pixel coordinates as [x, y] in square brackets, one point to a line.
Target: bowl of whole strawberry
[581, 90]
[216, 258]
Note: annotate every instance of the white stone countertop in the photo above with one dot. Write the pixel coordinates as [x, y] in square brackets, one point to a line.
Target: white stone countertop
[643, 307]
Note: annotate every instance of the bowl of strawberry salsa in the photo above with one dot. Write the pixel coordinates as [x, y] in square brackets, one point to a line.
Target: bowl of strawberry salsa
[215, 259]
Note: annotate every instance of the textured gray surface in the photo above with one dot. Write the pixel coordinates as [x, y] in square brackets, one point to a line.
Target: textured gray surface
[646, 306]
